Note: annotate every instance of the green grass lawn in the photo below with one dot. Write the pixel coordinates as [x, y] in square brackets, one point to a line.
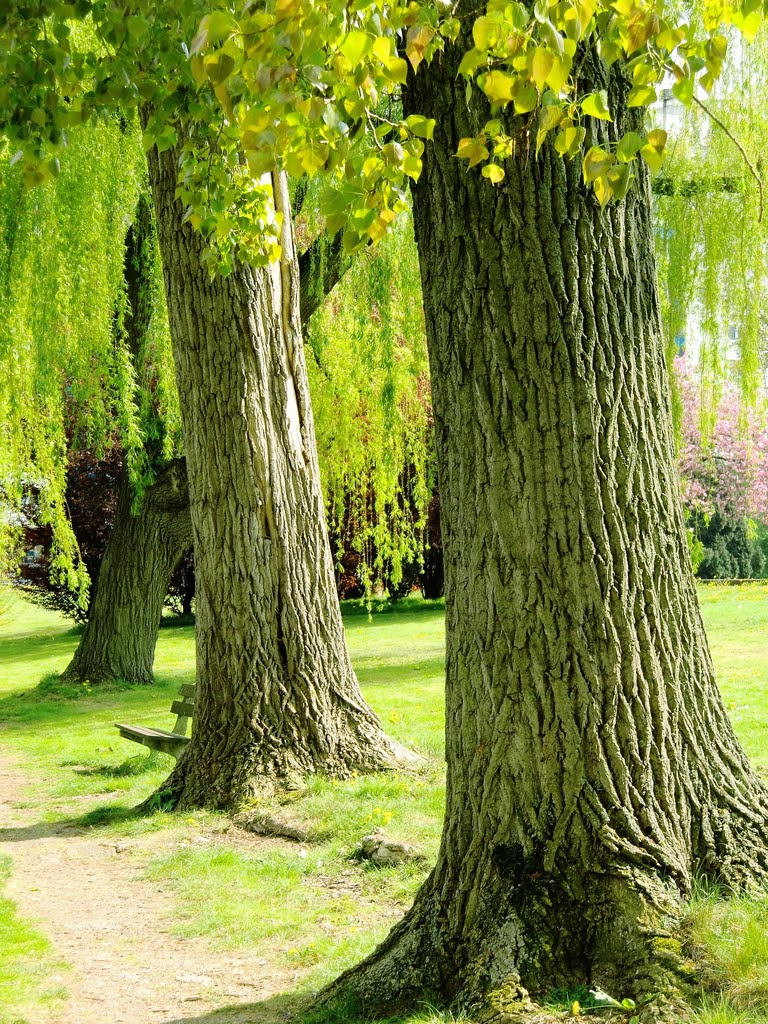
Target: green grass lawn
[75, 759]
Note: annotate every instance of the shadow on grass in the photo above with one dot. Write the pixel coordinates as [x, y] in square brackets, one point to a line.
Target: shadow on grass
[298, 1007]
[51, 700]
[408, 606]
[99, 817]
[130, 768]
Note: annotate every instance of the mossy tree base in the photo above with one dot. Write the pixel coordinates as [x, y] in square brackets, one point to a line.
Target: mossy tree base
[525, 943]
[592, 770]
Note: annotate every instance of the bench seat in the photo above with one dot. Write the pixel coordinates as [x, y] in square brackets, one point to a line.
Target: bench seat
[172, 743]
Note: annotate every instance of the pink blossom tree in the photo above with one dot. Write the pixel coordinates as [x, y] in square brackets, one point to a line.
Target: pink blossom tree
[723, 460]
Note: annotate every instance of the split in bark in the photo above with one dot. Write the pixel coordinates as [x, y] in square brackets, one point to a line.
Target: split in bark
[592, 768]
[276, 693]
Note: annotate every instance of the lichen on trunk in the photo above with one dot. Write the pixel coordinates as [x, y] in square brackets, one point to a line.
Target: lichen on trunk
[276, 694]
[592, 769]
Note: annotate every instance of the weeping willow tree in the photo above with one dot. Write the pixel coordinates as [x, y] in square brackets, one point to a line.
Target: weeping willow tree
[712, 226]
[112, 385]
[369, 380]
[69, 378]
[712, 254]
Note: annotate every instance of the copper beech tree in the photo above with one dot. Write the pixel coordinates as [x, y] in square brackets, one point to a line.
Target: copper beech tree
[592, 769]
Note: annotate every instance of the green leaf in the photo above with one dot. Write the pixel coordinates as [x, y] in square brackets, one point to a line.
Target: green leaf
[629, 147]
[424, 127]
[551, 37]
[683, 90]
[641, 96]
[620, 178]
[596, 105]
[500, 87]
[221, 26]
[550, 118]
[219, 66]
[493, 172]
[356, 45]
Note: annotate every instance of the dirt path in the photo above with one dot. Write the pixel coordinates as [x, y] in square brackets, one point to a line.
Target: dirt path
[86, 893]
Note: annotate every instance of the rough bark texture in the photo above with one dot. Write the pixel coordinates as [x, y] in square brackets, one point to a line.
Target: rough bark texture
[321, 266]
[592, 769]
[110, 647]
[143, 550]
[276, 693]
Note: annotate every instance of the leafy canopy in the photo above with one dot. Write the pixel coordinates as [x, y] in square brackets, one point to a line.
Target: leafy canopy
[291, 84]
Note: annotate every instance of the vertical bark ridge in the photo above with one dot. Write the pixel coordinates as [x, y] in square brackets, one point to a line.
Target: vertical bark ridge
[277, 696]
[592, 768]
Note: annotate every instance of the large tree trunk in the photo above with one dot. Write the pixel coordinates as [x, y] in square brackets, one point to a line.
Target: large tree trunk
[592, 768]
[276, 693]
[143, 550]
[140, 557]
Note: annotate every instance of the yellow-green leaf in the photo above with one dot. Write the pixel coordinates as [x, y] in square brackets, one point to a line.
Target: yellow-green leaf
[396, 70]
[486, 32]
[603, 190]
[473, 149]
[541, 65]
[493, 172]
[499, 87]
[595, 162]
[471, 61]
[596, 105]
[628, 147]
[356, 45]
[558, 75]
[525, 99]
[652, 157]
[424, 127]
[641, 96]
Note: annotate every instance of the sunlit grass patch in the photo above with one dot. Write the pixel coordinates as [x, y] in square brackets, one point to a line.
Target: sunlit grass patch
[28, 969]
[294, 905]
[729, 941]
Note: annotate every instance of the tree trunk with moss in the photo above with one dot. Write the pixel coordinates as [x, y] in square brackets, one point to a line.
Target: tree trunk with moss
[143, 550]
[592, 768]
[276, 694]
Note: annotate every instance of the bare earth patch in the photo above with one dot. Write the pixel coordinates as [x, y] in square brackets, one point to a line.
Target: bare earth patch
[85, 892]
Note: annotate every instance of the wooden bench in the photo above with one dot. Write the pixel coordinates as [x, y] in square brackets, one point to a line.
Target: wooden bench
[173, 742]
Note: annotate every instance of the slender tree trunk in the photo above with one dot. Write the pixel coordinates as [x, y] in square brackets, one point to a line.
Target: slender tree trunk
[276, 693]
[592, 768]
[143, 550]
